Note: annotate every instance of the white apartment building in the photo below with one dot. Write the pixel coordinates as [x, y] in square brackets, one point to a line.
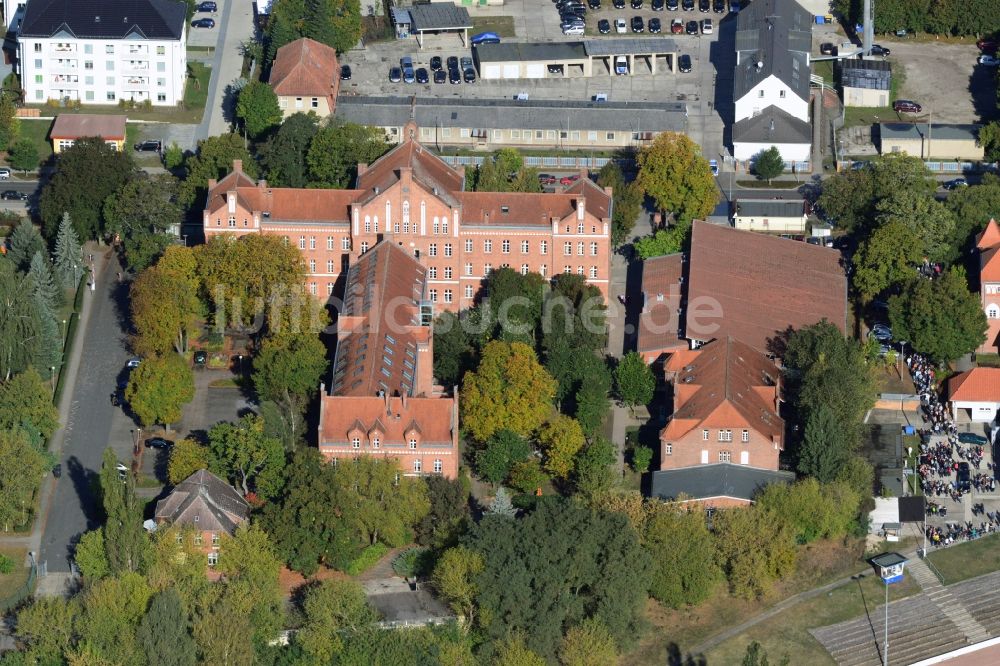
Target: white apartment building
[103, 51]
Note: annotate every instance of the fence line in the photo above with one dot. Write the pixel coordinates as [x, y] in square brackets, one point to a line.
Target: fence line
[537, 161]
[21, 593]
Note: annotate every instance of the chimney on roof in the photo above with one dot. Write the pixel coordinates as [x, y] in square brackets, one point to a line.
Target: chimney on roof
[388, 407]
[362, 167]
[402, 394]
[486, 217]
[238, 165]
[580, 207]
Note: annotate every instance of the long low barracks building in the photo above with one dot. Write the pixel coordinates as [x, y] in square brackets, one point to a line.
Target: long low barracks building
[411, 197]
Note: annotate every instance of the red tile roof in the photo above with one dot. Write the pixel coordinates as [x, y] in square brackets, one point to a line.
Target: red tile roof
[205, 501]
[305, 67]
[990, 236]
[429, 169]
[726, 382]
[976, 385]
[598, 200]
[434, 419]
[523, 208]
[379, 325]
[988, 243]
[287, 203]
[79, 125]
[659, 323]
[761, 285]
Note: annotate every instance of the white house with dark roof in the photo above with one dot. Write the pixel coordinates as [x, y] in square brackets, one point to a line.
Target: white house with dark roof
[771, 80]
[103, 51]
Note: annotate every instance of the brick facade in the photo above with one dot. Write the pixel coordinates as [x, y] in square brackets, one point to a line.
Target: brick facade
[413, 199]
[988, 244]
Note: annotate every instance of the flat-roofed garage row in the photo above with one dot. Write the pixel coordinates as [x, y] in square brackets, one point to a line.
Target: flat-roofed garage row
[522, 60]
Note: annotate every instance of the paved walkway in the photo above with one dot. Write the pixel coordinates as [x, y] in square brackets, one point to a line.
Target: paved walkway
[235, 26]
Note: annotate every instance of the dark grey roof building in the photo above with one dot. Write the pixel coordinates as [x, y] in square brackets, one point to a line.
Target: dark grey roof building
[715, 482]
[104, 19]
[871, 74]
[773, 38]
[205, 502]
[771, 207]
[772, 126]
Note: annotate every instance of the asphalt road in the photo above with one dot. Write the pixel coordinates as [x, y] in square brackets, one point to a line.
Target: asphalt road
[74, 507]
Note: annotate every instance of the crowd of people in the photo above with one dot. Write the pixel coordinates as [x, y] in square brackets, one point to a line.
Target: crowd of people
[952, 532]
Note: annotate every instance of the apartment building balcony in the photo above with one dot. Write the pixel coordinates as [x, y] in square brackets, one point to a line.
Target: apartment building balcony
[64, 48]
[136, 66]
[63, 64]
[135, 82]
[65, 78]
[138, 49]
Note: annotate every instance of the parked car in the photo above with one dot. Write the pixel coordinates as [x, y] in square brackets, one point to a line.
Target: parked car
[469, 75]
[452, 62]
[569, 180]
[719, 6]
[148, 146]
[691, 28]
[988, 60]
[618, 4]
[576, 29]
[436, 64]
[827, 48]
[200, 357]
[604, 26]
[657, 5]
[963, 477]
[485, 38]
[654, 26]
[395, 75]
[440, 76]
[406, 64]
[594, 4]
[684, 63]
[4, 173]
[734, 6]
[987, 45]
[345, 72]
[555, 69]
[133, 363]
[955, 183]
[158, 443]
[621, 68]
[673, 5]
[972, 438]
[207, 7]
[881, 332]
[704, 6]
[878, 49]
[203, 23]
[620, 28]
[422, 76]
[636, 4]
[687, 5]
[713, 165]
[677, 27]
[706, 26]
[454, 76]
[637, 25]
[906, 106]
[13, 195]
[465, 63]
[547, 179]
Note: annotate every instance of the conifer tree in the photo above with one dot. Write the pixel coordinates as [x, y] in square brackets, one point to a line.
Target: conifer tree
[43, 283]
[24, 243]
[68, 255]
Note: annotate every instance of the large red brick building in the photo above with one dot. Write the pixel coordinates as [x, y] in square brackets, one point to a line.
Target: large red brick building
[988, 244]
[381, 400]
[411, 198]
[725, 435]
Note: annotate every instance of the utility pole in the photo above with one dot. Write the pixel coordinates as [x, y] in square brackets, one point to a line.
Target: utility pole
[868, 28]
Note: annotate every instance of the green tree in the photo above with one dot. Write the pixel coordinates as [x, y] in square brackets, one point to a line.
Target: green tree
[560, 438]
[527, 476]
[212, 161]
[454, 354]
[287, 371]
[281, 28]
[454, 578]
[112, 610]
[125, 540]
[626, 199]
[338, 148]
[509, 390]
[142, 213]
[810, 509]
[164, 311]
[173, 157]
[332, 608]
[641, 457]
[10, 127]
[448, 515]
[504, 171]
[935, 229]
[989, 137]
[247, 457]
[886, 259]
[23, 155]
[681, 548]
[664, 241]
[634, 380]
[20, 322]
[753, 549]
[594, 473]
[43, 283]
[825, 447]
[164, 634]
[377, 507]
[588, 644]
[68, 255]
[591, 399]
[501, 505]
[757, 656]
[940, 318]
[257, 106]
[186, 458]
[283, 156]
[567, 560]
[26, 402]
[512, 651]
[21, 471]
[91, 556]
[502, 451]
[251, 568]
[673, 172]
[46, 627]
[159, 388]
[79, 187]
[769, 164]
[25, 243]
[972, 207]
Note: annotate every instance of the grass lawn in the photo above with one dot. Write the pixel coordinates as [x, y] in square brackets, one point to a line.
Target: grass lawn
[824, 68]
[988, 360]
[503, 26]
[196, 90]
[967, 560]
[819, 564]
[12, 582]
[787, 632]
[855, 116]
[38, 132]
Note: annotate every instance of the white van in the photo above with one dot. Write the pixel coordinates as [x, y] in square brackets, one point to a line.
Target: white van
[621, 65]
[4, 173]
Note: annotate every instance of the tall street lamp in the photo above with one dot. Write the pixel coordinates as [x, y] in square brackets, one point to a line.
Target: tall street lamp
[889, 567]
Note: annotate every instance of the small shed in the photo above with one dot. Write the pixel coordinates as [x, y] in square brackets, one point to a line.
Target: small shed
[68, 127]
[771, 215]
[865, 82]
[403, 21]
[438, 17]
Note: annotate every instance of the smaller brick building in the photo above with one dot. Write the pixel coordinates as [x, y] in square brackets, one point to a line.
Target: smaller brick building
[207, 504]
[306, 78]
[988, 244]
[382, 400]
[725, 415]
